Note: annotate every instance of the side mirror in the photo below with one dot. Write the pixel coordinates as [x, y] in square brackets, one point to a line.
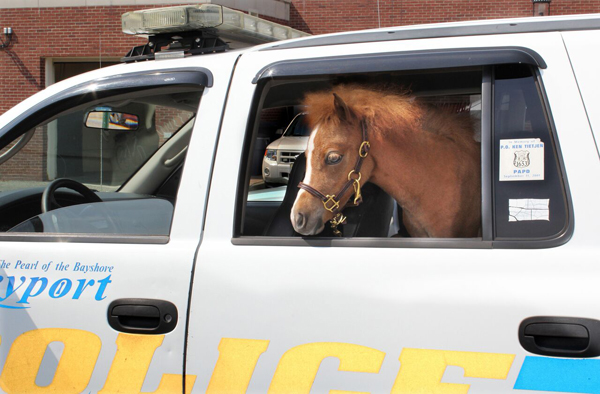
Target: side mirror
[108, 120]
[279, 132]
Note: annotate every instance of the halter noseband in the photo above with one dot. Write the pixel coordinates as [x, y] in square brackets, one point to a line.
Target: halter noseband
[331, 202]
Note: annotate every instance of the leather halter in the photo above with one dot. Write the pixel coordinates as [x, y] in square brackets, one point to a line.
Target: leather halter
[331, 202]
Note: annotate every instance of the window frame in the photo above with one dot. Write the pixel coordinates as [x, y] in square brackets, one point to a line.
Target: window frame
[486, 58]
[117, 86]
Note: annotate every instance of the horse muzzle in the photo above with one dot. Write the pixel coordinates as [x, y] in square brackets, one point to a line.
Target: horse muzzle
[307, 222]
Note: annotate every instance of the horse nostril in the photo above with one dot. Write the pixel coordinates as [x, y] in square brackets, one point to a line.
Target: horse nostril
[300, 220]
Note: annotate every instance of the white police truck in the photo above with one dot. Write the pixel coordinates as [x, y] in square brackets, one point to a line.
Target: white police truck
[140, 251]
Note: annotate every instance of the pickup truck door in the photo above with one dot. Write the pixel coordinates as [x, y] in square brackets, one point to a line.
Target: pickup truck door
[301, 315]
[107, 312]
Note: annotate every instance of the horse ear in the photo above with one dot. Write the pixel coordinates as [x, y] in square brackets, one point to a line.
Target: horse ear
[343, 111]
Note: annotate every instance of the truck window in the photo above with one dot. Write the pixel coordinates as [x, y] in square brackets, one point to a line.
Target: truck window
[99, 146]
[529, 194]
[426, 175]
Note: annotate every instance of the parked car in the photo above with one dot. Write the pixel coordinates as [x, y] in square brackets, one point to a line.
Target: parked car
[281, 154]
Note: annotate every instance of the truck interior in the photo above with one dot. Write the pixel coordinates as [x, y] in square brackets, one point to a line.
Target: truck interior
[126, 152]
[457, 90]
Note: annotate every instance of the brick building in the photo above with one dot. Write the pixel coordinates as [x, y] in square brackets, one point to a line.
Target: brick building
[51, 42]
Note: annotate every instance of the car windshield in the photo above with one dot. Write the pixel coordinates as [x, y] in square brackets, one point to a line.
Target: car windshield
[100, 145]
[298, 127]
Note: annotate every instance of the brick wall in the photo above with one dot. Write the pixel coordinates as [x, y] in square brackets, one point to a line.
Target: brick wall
[325, 16]
[75, 32]
[29, 164]
[169, 120]
[55, 32]
[96, 31]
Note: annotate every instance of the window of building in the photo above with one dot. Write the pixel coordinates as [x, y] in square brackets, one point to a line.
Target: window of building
[63, 69]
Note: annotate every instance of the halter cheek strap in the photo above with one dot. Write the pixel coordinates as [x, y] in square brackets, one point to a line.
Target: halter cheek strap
[331, 202]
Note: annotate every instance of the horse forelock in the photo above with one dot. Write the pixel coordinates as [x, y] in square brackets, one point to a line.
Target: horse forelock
[384, 109]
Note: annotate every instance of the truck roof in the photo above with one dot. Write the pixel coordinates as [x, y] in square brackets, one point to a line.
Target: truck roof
[453, 29]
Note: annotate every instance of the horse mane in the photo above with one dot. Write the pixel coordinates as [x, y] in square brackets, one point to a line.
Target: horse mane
[387, 109]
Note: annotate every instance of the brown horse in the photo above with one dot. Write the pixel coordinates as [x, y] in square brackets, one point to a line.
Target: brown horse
[426, 158]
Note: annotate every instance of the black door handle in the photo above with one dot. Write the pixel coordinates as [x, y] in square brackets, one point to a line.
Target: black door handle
[560, 336]
[142, 316]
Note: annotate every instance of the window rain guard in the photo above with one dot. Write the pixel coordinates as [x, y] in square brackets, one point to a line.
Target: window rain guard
[402, 61]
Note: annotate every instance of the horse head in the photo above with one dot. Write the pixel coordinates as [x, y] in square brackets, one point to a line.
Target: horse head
[336, 163]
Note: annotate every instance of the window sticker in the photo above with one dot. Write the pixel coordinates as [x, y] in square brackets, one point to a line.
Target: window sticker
[526, 209]
[522, 160]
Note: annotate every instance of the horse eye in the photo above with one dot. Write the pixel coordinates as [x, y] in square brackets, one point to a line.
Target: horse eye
[333, 158]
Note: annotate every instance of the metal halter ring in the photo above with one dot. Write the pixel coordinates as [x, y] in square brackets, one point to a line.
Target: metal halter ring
[366, 145]
[350, 176]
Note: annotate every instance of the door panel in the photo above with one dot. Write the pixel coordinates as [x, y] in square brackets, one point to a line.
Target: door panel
[61, 303]
[55, 289]
[582, 61]
[303, 316]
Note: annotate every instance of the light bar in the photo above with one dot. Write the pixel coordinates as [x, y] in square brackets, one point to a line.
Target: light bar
[202, 16]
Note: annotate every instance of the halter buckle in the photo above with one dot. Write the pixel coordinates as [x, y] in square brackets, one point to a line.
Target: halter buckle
[334, 204]
[363, 151]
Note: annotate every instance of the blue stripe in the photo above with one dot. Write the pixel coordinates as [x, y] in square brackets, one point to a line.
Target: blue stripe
[14, 307]
[559, 375]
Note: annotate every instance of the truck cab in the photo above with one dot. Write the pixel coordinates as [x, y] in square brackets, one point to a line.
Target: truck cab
[135, 257]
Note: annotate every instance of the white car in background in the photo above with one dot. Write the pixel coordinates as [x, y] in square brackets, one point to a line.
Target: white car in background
[281, 154]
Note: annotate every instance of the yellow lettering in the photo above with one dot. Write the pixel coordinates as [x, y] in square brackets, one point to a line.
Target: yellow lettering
[421, 371]
[131, 362]
[130, 365]
[235, 366]
[298, 367]
[347, 392]
[74, 370]
[173, 383]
